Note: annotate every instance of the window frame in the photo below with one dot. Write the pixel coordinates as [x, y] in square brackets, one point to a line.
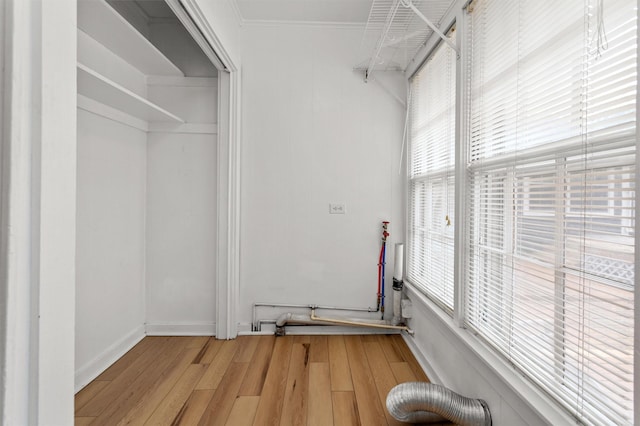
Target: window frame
[458, 17]
[446, 173]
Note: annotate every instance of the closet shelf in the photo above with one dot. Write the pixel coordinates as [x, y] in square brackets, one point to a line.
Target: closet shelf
[98, 87]
[103, 23]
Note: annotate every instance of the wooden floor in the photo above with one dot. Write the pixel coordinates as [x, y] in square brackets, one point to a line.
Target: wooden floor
[253, 380]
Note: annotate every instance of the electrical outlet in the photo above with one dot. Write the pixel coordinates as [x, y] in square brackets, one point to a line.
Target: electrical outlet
[337, 208]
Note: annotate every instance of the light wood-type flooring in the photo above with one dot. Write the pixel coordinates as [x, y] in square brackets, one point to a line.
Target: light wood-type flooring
[252, 380]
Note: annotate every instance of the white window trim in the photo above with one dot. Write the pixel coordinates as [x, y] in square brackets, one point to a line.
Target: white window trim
[229, 163]
[504, 378]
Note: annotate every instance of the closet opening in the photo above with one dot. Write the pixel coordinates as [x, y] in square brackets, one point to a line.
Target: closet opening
[148, 185]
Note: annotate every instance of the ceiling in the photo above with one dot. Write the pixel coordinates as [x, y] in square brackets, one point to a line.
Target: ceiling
[392, 33]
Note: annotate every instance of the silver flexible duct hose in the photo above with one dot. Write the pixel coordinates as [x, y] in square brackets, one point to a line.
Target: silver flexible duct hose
[421, 402]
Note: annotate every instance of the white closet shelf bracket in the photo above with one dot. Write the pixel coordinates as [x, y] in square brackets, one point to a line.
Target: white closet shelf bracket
[381, 40]
[409, 4]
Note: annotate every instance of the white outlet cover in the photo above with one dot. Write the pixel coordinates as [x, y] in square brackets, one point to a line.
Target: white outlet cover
[336, 208]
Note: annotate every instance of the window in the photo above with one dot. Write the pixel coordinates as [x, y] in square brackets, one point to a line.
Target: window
[430, 246]
[551, 197]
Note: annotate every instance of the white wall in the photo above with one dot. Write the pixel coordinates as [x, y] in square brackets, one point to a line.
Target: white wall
[181, 212]
[110, 242]
[181, 233]
[315, 133]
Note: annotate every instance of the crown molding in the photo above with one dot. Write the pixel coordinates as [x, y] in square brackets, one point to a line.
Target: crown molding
[236, 11]
[278, 23]
[310, 24]
[242, 21]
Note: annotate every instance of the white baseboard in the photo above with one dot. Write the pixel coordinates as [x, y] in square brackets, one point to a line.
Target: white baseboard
[244, 328]
[85, 374]
[180, 328]
[422, 360]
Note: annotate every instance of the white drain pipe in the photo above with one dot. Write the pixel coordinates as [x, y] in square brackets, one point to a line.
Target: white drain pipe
[256, 324]
[397, 283]
[292, 319]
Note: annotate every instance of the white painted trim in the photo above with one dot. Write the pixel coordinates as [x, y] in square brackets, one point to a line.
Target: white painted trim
[39, 256]
[203, 25]
[5, 167]
[98, 108]
[636, 312]
[92, 369]
[161, 80]
[255, 333]
[236, 11]
[244, 328]
[228, 168]
[186, 128]
[423, 360]
[282, 22]
[235, 140]
[17, 369]
[304, 24]
[200, 328]
[223, 283]
[191, 16]
[228, 199]
[460, 207]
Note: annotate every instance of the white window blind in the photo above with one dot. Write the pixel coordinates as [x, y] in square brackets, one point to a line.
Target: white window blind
[551, 172]
[431, 176]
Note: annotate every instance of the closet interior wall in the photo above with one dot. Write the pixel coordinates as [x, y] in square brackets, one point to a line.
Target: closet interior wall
[146, 201]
